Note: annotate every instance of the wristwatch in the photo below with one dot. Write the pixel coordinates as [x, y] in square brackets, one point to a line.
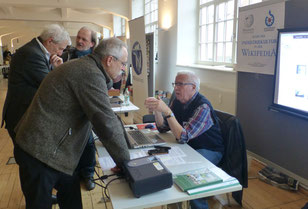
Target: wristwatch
[169, 115]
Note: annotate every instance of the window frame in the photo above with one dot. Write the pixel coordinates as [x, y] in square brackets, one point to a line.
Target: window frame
[214, 38]
[152, 23]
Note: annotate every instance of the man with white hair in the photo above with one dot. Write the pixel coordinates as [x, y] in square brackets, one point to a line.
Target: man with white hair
[52, 134]
[191, 119]
[29, 66]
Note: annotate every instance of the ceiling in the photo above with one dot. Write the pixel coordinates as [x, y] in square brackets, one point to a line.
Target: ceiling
[26, 18]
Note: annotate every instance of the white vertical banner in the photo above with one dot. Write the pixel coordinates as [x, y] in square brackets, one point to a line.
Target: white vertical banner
[257, 37]
[138, 56]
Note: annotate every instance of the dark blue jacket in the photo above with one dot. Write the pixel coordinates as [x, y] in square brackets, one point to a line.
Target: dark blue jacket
[210, 139]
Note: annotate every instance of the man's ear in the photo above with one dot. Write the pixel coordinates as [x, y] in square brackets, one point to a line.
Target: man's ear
[108, 60]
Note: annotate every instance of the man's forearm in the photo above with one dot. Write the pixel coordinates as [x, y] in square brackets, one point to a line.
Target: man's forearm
[158, 118]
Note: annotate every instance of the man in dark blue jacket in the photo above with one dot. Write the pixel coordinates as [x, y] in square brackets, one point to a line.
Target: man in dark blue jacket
[85, 43]
[191, 119]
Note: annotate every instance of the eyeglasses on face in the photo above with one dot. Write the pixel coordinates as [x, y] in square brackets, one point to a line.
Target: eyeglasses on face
[179, 84]
[117, 59]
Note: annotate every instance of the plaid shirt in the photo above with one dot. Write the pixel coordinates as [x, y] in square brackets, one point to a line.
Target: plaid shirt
[200, 122]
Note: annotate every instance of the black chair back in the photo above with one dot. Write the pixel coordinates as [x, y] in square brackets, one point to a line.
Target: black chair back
[148, 118]
[234, 161]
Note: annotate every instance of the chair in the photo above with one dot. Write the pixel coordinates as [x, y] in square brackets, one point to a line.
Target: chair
[234, 161]
[148, 118]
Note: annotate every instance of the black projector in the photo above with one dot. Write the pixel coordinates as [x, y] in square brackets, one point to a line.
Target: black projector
[147, 175]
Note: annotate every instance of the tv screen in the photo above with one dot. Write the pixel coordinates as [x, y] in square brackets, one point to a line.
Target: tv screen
[291, 72]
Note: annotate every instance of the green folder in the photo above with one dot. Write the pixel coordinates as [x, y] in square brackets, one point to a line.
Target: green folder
[195, 179]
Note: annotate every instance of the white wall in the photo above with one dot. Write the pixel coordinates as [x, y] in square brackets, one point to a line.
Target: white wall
[218, 86]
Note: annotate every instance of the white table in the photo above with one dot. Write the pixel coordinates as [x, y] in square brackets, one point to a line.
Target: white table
[126, 111]
[122, 196]
[125, 108]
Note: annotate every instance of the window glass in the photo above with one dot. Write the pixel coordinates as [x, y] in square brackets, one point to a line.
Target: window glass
[217, 20]
[220, 32]
[221, 12]
[211, 14]
[229, 30]
[210, 52]
[219, 53]
[230, 10]
[210, 33]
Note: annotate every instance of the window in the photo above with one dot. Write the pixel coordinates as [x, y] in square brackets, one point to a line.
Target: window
[123, 26]
[151, 20]
[106, 33]
[119, 26]
[150, 15]
[217, 30]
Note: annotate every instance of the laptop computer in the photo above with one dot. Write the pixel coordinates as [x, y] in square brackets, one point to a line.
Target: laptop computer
[138, 139]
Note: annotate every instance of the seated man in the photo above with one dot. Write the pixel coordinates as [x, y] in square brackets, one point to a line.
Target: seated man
[191, 119]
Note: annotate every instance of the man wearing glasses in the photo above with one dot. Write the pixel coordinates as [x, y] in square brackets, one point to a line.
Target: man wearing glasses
[191, 119]
[52, 134]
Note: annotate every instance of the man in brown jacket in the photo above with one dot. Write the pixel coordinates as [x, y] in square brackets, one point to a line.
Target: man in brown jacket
[53, 132]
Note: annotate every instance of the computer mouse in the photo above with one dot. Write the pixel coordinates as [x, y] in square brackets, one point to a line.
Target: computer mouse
[150, 126]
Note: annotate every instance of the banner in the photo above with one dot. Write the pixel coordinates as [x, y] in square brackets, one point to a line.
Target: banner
[257, 37]
[138, 56]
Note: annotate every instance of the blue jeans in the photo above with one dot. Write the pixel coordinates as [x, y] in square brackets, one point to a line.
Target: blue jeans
[87, 162]
[213, 157]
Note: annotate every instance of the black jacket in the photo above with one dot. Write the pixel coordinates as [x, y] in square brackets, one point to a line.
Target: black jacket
[29, 66]
[234, 161]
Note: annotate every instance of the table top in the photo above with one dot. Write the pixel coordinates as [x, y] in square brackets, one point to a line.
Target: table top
[125, 108]
[185, 159]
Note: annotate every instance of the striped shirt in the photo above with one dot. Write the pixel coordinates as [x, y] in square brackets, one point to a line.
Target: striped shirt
[200, 122]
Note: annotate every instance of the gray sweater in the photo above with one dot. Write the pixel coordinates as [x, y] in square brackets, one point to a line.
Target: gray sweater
[56, 126]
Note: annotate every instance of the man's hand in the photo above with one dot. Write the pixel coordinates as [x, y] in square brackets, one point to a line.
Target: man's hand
[116, 169]
[158, 105]
[55, 60]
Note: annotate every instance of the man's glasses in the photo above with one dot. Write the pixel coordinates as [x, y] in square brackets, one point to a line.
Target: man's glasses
[123, 63]
[181, 84]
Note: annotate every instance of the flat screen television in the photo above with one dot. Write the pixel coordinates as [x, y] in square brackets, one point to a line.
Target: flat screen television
[291, 72]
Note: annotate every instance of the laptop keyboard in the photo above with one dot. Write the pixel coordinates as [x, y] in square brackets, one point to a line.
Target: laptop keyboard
[139, 137]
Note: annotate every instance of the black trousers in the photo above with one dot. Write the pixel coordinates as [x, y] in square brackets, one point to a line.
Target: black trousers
[37, 181]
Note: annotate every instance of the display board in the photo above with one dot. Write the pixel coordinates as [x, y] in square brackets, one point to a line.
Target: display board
[138, 56]
[257, 36]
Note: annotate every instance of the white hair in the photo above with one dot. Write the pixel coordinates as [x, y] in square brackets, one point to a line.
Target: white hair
[57, 33]
[110, 47]
[192, 77]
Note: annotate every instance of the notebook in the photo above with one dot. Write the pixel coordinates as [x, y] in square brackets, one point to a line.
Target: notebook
[138, 139]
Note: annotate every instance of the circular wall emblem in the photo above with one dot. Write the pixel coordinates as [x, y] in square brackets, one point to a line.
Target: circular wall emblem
[137, 58]
[248, 22]
[269, 20]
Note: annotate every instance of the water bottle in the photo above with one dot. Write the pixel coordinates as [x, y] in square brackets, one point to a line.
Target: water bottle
[126, 97]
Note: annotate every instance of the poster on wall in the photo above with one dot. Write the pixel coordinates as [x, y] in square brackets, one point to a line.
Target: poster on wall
[138, 56]
[257, 37]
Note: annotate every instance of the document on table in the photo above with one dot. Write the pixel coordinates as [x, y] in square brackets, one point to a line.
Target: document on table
[174, 157]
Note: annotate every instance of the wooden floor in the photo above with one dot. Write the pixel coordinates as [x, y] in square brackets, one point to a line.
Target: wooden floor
[258, 195]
